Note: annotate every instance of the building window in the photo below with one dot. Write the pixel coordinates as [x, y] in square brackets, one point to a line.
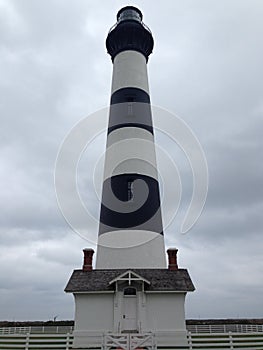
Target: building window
[130, 102]
[129, 14]
[130, 111]
[129, 291]
[130, 190]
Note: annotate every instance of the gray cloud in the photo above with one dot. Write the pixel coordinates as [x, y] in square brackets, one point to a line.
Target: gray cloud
[206, 68]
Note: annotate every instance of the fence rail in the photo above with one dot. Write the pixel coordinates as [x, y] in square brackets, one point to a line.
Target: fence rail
[225, 328]
[230, 341]
[200, 341]
[37, 330]
[195, 328]
[31, 341]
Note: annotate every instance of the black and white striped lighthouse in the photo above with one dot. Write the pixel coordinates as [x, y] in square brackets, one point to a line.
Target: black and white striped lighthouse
[130, 230]
[131, 299]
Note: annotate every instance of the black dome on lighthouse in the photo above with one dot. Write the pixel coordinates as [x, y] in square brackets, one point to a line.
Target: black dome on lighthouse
[129, 33]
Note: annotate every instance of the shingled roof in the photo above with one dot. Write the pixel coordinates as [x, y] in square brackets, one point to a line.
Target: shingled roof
[160, 280]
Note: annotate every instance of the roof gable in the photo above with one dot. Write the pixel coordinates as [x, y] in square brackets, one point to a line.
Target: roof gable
[129, 276]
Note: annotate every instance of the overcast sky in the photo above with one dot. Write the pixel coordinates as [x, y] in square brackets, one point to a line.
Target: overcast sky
[206, 68]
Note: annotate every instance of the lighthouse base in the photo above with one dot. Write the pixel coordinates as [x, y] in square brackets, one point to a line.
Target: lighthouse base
[133, 305]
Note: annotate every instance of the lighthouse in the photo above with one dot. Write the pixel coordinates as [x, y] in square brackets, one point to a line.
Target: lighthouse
[131, 299]
[130, 231]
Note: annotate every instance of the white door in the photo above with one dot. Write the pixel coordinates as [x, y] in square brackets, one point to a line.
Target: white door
[129, 316]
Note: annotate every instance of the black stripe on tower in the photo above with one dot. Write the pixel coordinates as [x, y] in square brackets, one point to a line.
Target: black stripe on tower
[130, 107]
[146, 216]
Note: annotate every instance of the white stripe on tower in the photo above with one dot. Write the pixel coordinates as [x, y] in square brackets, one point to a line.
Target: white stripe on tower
[130, 210]
[136, 74]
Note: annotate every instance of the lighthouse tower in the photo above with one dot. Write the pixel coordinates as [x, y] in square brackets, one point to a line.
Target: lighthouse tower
[130, 211]
[131, 299]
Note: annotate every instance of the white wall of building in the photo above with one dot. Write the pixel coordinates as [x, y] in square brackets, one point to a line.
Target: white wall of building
[94, 311]
[99, 313]
[165, 311]
[93, 317]
[165, 316]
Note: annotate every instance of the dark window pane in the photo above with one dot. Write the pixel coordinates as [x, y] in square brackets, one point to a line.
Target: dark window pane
[130, 291]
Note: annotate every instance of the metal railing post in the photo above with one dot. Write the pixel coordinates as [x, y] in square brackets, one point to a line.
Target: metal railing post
[68, 341]
[231, 340]
[27, 341]
[190, 341]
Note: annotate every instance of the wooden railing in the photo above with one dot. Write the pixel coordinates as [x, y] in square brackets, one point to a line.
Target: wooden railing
[230, 341]
[200, 341]
[36, 341]
[194, 328]
[37, 330]
[225, 328]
